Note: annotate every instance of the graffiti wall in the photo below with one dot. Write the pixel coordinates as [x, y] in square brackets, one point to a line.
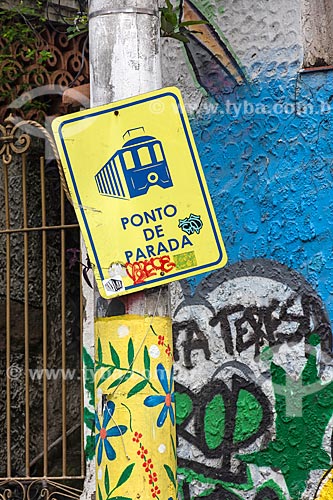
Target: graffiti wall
[252, 342]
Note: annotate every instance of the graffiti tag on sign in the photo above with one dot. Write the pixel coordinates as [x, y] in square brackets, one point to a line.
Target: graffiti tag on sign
[141, 270]
[191, 224]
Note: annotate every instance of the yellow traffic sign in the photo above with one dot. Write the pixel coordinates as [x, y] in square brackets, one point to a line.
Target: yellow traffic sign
[139, 192]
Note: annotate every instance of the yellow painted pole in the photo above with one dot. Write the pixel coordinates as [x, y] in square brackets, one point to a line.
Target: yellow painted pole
[135, 412]
[325, 489]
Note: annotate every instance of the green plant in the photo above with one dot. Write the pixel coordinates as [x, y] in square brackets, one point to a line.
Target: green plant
[21, 27]
[79, 26]
[172, 28]
[170, 25]
[23, 23]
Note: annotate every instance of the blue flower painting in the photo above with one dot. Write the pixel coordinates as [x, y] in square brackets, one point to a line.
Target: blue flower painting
[166, 400]
[103, 434]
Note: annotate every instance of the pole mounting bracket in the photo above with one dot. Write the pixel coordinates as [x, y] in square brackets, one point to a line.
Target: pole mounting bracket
[124, 10]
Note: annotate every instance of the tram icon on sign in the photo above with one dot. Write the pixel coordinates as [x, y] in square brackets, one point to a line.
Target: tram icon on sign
[136, 167]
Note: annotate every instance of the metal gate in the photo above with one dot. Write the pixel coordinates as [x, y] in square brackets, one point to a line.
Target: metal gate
[41, 394]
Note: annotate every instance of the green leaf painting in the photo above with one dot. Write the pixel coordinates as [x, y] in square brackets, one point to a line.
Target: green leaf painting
[106, 375]
[110, 369]
[125, 475]
[170, 474]
[114, 356]
[130, 352]
[106, 480]
[137, 388]
[122, 480]
[99, 351]
[120, 380]
[146, 360]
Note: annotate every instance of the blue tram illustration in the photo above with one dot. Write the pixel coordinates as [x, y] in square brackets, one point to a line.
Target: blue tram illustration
[134, 168]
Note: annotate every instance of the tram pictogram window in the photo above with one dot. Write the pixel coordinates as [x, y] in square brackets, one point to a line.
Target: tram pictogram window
[128, 159]
[158, 152]
[144, 156]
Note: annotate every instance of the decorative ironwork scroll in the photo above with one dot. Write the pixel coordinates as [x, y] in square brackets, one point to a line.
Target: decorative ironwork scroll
[45, 489]
[12, 140]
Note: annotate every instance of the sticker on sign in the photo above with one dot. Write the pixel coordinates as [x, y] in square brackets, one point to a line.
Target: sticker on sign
[139, 192]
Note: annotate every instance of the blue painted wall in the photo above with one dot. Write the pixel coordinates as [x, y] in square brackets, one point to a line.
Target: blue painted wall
[267, 152]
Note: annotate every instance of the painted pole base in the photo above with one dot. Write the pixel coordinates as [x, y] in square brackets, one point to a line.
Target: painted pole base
[135, 412]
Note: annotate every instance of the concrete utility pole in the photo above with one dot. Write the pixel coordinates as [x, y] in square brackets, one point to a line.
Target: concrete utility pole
[124, 51]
